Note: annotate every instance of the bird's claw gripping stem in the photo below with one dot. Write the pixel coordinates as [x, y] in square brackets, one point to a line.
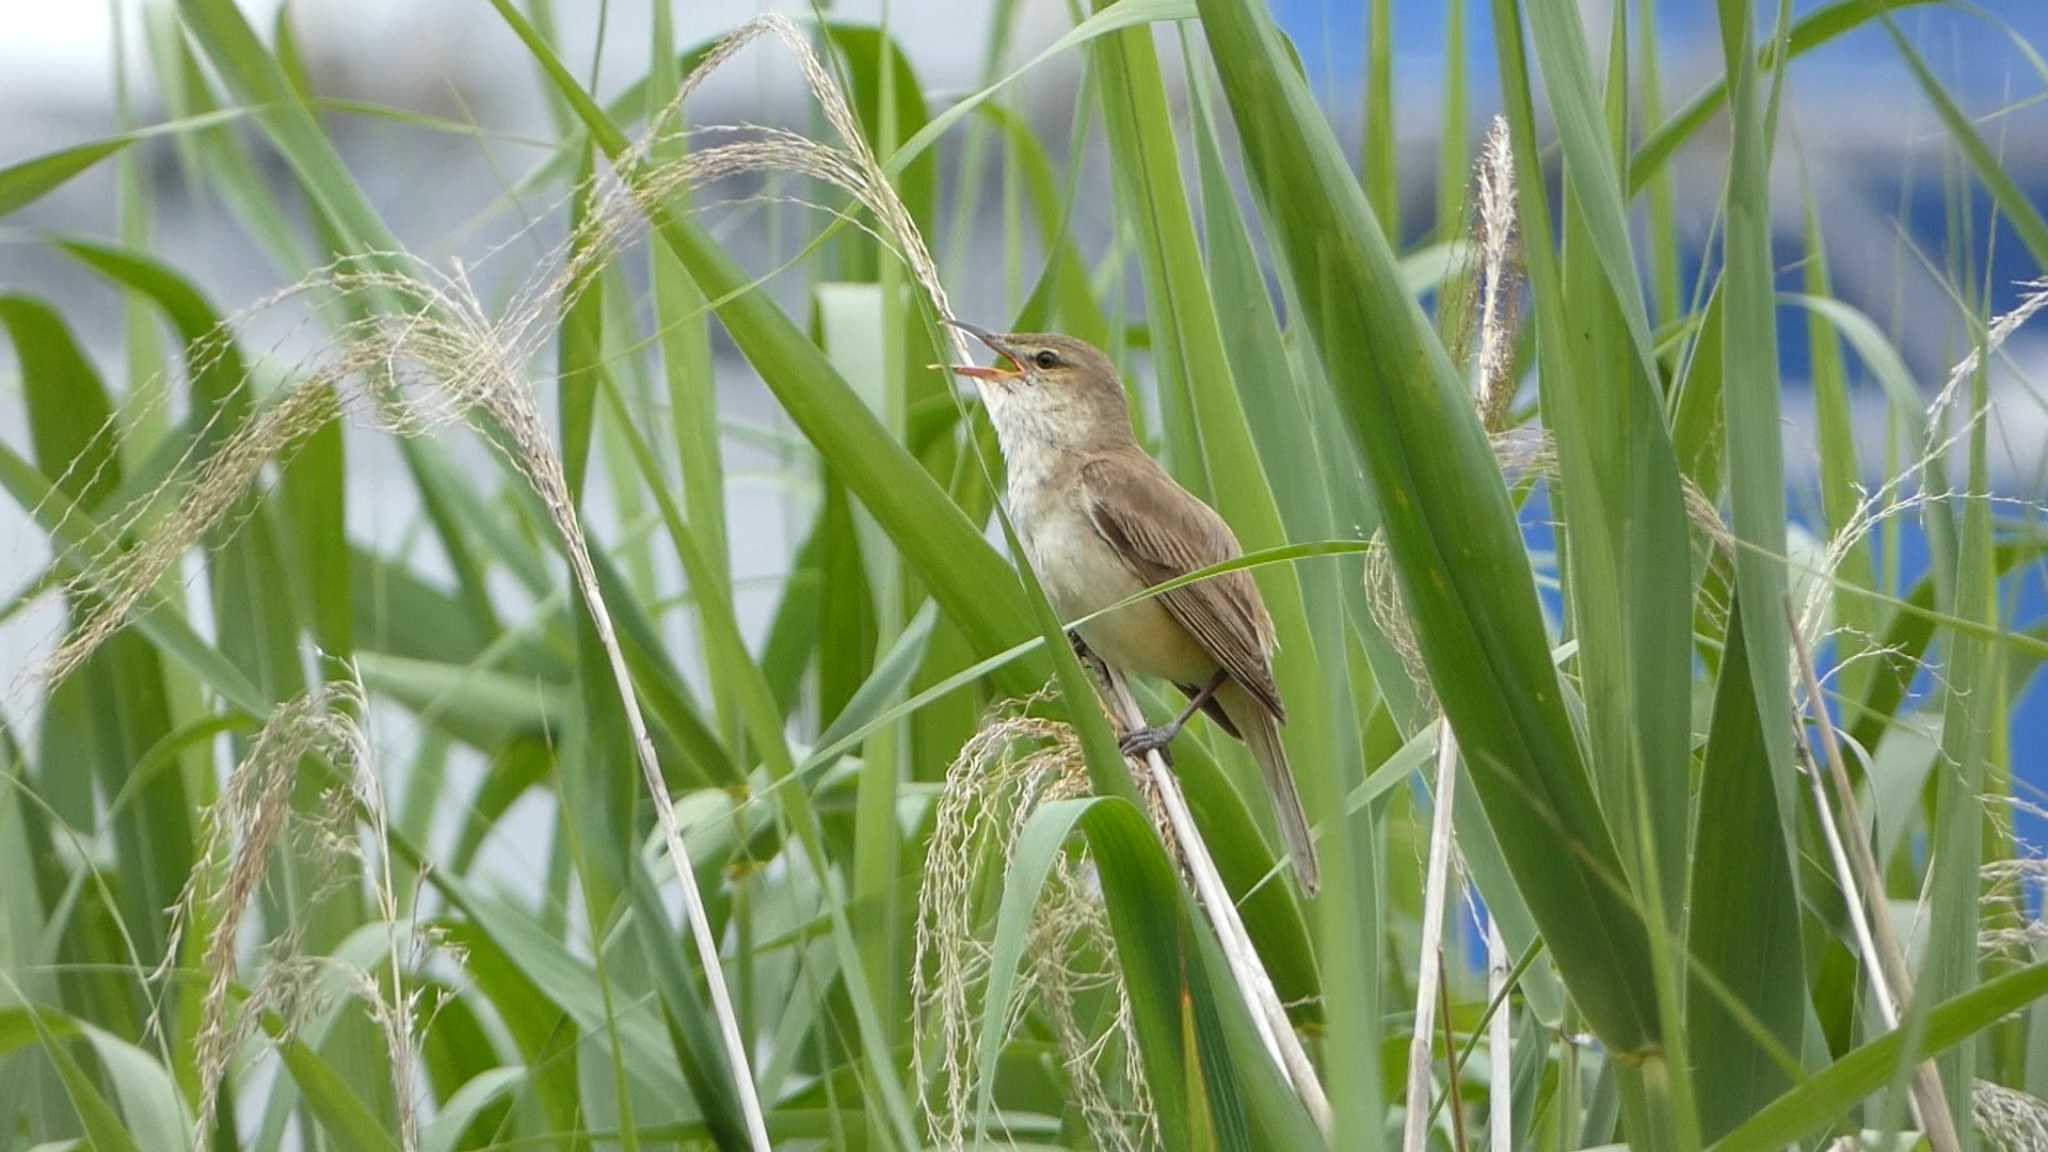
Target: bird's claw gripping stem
[1148, 740]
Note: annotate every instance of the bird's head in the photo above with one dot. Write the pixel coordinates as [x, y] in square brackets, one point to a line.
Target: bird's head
[1056, 390]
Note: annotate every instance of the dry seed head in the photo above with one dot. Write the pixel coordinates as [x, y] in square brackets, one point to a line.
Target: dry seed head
[2006, 925]
[1500, 284]
[1390, 615]
[2011, 1121]
[1893, 498]
[1012, 766]
[243, 829]
[2032, 300]
[253, 820]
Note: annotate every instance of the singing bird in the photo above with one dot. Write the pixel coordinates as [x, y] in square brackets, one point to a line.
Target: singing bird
[1100, 521]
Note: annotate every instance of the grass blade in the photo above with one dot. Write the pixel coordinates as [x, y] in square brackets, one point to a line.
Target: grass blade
[1381, 161]
[1743, 931]
[1829, 1093]
[72, 427]
[1750, 395]
[1971, 706]
[1817, 28]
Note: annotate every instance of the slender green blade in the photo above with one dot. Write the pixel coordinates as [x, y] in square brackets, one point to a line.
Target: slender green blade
[686, 362]
[1628, 580]
[2014, 204]
[1743, 933]
[1858, 617]
[30, 180]
[693, 1033]
[314, 511]
[1826, 1096]
[217, 155]
[1629, 584]
[1308, 605]
[858, 326]
[1151, 198]
[344, 1114]
[102, 1124]
[1381, 166]
[1452, 151]
[1972, 706]
[256, 77]
[72, 426]
[1751, 406]
[1662, 234]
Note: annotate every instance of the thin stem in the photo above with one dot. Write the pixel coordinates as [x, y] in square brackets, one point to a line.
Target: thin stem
[1443, 995]
[1500, 1098]
[672, 839]
[1873, 960]
[1268, 1015]
[1415, 1122]
[1496, 1006]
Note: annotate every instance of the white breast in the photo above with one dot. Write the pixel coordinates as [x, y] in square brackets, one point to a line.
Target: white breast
[1082, 575]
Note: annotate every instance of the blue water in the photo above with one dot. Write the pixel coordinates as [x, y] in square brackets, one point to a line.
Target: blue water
[1331, 36]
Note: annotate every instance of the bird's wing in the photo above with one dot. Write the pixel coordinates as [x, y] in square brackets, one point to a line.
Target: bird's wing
[1161, 532]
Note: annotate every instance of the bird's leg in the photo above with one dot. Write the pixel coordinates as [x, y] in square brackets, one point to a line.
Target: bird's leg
[1156, 739]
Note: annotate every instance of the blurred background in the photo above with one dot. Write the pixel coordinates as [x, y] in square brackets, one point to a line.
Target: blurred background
[441, 118]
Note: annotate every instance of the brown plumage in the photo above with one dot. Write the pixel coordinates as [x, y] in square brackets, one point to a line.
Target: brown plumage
[1100, 521]
[1164, 533]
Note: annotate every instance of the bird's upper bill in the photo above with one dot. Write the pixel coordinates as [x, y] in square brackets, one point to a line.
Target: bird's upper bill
[996, 345]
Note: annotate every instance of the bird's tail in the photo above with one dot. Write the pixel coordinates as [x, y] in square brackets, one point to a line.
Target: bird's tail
[1261, 733]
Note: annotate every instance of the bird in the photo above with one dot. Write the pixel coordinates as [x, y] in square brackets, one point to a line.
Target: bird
[1100, 522]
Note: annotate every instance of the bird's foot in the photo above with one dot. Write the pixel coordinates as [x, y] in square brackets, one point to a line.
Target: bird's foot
[1148, 740]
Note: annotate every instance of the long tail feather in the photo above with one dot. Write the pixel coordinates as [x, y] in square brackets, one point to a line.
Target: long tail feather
[1262, 735]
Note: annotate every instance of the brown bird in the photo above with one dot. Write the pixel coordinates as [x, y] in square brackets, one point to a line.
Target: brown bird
[1100, 522]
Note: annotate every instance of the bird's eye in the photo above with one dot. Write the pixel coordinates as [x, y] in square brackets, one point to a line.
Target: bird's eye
[1046, 358]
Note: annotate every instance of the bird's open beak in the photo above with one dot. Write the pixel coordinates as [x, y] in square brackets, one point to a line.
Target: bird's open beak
[980, 373]
[995, 344]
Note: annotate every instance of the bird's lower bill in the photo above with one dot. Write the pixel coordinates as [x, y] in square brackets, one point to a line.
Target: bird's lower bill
[1000, 375]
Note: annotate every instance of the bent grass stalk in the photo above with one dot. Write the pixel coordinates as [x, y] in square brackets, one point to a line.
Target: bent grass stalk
[1863, 885]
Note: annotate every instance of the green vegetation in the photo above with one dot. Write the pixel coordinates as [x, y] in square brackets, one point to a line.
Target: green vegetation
[1722, 909]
